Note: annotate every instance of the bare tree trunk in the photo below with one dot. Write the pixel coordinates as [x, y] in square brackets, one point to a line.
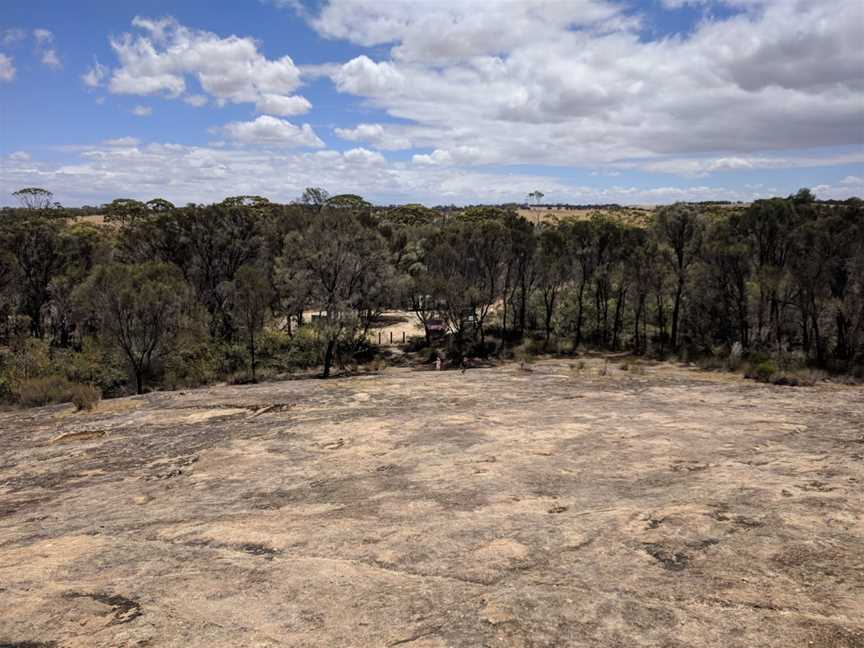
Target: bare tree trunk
[578, 339]
[252, 354]
[328, 356]
[523, 299]
[616, 320]
[676, 313]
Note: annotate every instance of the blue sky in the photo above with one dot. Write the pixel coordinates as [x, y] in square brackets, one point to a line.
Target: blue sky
[589, 101]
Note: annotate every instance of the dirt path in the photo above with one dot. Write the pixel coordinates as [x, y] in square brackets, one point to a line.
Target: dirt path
[424, 509]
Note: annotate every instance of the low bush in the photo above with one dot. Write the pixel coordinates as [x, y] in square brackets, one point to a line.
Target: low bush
[358, 350]
[273, 341]
[93, 365]
[304, 351]
[761, 371]
[532, 347]
[191, 366]
[713, 363]
[562, 346]
[29, 359]
[46, 390]
[84, 397]
[800, 378]
[231, 358]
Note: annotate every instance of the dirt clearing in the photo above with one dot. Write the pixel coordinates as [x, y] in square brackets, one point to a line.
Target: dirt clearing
[425, 509]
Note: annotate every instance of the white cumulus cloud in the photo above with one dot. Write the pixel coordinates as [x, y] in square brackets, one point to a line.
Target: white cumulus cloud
[573, 83]
[204, 174]
[387, 138]
[122, 141]
[271, 131]
[275, 104]
[165, 55]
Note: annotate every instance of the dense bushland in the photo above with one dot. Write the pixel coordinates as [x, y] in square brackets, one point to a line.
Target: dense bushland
[164, 296]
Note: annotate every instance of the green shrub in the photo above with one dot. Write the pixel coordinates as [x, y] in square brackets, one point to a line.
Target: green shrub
[272, 341]
[562, 346]
[191, 366]
[93, 365]
[28, 359]
[84, 397]
[758, 357]
[762, 371]
[304, 351]
[231, 358]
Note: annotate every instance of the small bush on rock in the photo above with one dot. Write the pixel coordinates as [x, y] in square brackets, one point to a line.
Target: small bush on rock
[85, 397]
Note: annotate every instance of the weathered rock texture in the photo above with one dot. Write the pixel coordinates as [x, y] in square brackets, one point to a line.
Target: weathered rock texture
[550, 507]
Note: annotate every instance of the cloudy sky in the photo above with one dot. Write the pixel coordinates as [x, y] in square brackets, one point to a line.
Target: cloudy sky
[433, 101]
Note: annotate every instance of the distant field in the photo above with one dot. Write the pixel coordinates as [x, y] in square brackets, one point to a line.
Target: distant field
[638, 216]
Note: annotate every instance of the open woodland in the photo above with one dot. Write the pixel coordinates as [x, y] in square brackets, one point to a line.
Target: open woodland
[148, 296]
[602, 427]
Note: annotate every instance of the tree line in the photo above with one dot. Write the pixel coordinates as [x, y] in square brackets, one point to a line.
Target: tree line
[164, 296]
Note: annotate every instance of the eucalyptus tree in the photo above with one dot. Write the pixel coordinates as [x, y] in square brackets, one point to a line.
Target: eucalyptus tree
[344, 266]
[37, 246]
[580, 240]
[679, 230]
[314, 197]
[552, 272]
[138, 309]
[249, 298]
[34, 198]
